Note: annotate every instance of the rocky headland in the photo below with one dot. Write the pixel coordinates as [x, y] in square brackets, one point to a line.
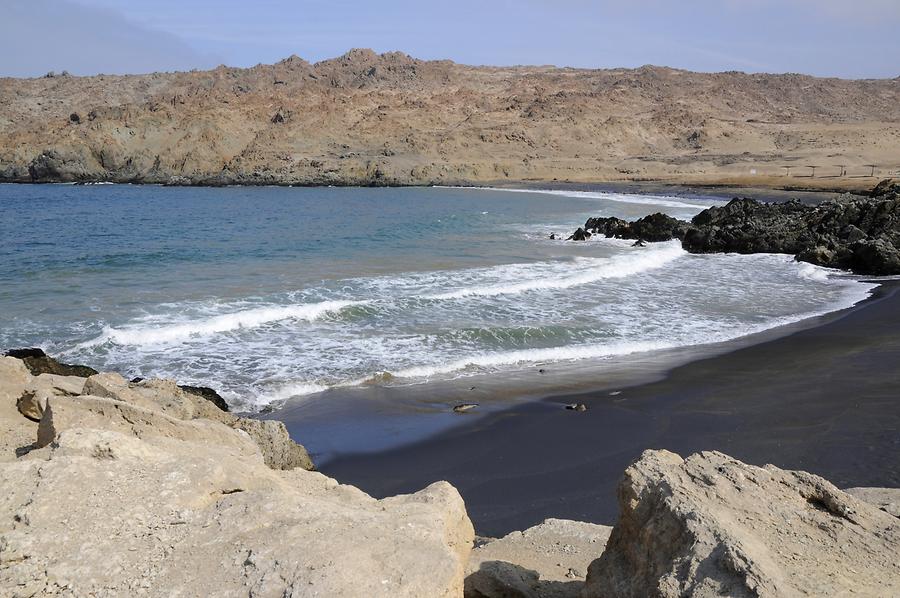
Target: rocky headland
[390, 119]
[856, 233]
[142, 488]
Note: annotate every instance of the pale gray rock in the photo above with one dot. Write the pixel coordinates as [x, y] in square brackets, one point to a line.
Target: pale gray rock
[886, 499]
[710, 525]
[549, 560]
[34, 398]
[279, 451]
[124, 498]
[272, 438]
[16, 432]
[104, 512]
[100, 413]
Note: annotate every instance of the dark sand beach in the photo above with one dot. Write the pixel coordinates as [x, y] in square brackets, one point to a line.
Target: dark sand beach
[822, 399]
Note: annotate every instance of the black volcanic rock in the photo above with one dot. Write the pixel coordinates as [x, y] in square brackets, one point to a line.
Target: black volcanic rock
[655, 227]
[39, 363]
[579, 235]
[855, 233]
[207, 393]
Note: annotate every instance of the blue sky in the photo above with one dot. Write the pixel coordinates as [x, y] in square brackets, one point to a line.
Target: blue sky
[856, 38]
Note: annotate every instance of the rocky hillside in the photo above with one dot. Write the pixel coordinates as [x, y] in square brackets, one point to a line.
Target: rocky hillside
[143, 489]
[385, 119]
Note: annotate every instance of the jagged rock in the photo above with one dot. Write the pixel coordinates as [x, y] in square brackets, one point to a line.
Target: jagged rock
[875, 256]
[654, 228]
[710, 525]
[39, 362]
[579, 235]
[545, 561]
[854, 233]
[886, 187]
[886, 499]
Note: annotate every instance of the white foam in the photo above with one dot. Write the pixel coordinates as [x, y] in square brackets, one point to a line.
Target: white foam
[651, 258]
[575, 353]
[523, 356]
[632, 198]
[813, 272]
[288, 391]
[154, 334]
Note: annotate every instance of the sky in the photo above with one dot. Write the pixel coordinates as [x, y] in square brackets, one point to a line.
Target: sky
[842, 38]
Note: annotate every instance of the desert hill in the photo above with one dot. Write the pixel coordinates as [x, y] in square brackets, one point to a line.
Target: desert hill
[365, 118]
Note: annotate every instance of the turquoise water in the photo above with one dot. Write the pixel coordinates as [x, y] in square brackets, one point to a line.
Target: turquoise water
[273, 293]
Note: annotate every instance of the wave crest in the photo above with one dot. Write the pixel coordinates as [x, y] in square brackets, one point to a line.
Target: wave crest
[250, 318]
[616, 267]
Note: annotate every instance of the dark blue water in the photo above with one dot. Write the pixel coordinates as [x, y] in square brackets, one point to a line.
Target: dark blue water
[269, 293]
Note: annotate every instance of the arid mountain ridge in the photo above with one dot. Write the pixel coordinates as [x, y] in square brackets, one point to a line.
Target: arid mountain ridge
[389, 119]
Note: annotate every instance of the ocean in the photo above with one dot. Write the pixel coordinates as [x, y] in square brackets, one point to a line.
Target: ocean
[270, 294]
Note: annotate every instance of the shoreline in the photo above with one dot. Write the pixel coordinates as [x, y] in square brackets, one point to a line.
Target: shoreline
[347, 421]
[783, 400]
[762, 188]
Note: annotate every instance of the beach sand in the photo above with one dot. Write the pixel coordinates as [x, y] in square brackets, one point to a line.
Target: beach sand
[824, 399]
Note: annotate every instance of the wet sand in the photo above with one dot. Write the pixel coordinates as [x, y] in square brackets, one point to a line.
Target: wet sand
[824, 399]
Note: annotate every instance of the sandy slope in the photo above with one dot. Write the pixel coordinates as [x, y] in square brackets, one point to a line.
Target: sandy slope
[365, 118]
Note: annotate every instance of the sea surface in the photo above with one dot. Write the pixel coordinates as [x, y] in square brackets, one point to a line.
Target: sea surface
[274, 293]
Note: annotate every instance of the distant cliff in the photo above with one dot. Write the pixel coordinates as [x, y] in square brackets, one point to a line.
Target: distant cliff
[389, 119]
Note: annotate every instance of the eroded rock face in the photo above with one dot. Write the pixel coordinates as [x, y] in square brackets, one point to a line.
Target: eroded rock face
[710, 525]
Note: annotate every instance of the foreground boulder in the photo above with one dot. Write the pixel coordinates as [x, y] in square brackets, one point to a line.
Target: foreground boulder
[861, 234]
[129, 489]
[710, 525]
